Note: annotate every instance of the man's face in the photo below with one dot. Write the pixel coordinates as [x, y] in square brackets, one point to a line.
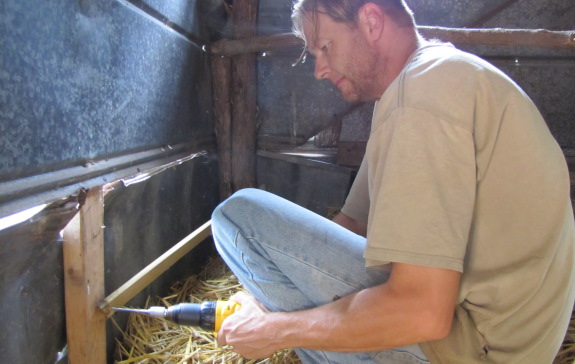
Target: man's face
[343, 56]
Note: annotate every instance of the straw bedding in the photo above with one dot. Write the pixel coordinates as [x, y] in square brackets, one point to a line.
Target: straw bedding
[147, 340]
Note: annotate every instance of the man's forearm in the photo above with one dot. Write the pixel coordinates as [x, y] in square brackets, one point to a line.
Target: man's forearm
[373, 319]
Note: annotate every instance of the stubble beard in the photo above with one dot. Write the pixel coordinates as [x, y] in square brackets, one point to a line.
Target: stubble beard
[364, 73]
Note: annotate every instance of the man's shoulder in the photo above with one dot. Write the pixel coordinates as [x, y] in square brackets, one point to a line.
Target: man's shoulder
[447, 81]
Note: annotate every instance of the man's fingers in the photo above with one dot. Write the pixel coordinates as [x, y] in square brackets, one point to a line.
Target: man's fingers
[245, 299]
[240, 297]
[221, 338]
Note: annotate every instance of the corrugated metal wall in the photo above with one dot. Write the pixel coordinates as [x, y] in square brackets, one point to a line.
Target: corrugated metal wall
[93, 91]
[83, 80]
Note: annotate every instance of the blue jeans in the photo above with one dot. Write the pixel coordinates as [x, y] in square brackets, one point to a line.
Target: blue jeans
[292, 259]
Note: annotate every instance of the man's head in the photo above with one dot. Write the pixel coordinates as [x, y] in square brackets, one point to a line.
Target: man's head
[346, 11]
[359, 45]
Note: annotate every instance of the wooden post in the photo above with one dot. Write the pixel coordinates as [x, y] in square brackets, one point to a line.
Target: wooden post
[244, 129]
[83, 249]
[221, 80]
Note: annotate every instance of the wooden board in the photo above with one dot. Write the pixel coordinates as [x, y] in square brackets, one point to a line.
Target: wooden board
[147, 275]
[537, 38]
[243, 99]
[83, 249]
[222, 81]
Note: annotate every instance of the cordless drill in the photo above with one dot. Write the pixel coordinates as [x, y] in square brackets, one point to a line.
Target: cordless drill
[208, 315]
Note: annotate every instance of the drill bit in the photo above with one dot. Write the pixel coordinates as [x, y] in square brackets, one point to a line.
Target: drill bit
[154, 311]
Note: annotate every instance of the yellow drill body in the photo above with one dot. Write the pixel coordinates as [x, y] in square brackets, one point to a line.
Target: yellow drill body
[208, 315]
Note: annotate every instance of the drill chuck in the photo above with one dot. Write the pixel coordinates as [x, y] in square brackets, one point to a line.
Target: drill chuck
[193, 314]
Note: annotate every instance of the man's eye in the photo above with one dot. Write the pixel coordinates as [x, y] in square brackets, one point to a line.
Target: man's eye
[325, 47]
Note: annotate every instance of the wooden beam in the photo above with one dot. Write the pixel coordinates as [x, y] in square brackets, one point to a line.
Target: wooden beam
[147, 275]
[537, 38]
[244, 125]
[83, 250]
[221, 80]
[232, 47]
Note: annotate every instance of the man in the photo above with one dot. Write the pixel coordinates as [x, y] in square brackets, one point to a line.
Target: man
[463, 197]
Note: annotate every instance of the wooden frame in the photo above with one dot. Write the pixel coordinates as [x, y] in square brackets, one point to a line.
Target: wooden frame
[86, 309]
[147, 275]
[83, 249]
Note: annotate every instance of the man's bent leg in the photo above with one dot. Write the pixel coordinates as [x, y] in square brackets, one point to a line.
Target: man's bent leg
[290, 258]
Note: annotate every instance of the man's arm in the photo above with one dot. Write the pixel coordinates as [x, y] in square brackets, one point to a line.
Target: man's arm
[415, 305]
[356, 226]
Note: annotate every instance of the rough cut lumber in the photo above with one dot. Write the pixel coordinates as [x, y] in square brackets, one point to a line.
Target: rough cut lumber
[244, 127]
[222, 79]
[147, 275]
[227, 47]
[540, 38]
[83, 250]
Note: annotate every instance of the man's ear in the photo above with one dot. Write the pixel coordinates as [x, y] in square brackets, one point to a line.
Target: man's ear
[371, 20]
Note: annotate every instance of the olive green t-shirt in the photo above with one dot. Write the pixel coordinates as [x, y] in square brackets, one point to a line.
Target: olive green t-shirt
[461, 172]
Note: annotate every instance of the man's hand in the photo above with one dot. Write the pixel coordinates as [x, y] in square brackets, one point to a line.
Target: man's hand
[246, 330]
[415, 305]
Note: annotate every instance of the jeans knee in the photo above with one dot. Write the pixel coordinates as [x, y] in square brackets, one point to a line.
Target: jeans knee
[237, 205]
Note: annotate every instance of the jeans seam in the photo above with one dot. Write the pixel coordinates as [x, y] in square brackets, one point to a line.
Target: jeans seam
[410, 354]
[242, 233]
[242, 257]
[309, 265]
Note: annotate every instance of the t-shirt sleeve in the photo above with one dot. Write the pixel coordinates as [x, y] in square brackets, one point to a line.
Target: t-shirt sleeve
[357, 202]
[423, 177]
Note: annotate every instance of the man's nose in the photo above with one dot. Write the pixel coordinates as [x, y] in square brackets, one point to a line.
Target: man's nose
[321, 68]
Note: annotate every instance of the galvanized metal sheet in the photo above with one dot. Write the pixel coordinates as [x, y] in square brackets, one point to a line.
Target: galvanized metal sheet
[85, 79]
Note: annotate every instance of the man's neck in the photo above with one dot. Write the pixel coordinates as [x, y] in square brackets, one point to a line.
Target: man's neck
[395, 50]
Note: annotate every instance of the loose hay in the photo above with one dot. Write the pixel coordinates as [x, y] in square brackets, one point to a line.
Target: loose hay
[148, 340]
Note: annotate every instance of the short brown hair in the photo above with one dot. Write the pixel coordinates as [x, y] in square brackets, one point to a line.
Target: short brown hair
[345, 11]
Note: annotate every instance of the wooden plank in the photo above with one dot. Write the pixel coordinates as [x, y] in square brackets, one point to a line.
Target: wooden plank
[244, 126]
[232, 47]
[147, 275]
[222, 79]
[244, 129]
[537, 38]
[83, 250]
